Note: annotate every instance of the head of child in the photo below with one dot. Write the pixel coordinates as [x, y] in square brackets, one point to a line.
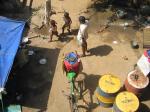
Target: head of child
[53, 22]
[82, 19]
[66, 14]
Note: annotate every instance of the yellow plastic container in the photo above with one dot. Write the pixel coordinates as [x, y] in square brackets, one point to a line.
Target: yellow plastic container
[109, 84]
[104, 99]
[127, 102]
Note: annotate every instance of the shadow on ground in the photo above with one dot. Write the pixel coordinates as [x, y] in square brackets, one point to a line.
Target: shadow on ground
[43, 32]
[145, 96]
[90, 87]
[102, 5]
[91, 82]
[101, 50]
[144, 108]
[32, 82]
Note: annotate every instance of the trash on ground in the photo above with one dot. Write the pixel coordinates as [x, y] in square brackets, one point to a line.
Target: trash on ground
[134, 44]
[13, 108]
[85, 11]
[19, 97]
[43, 61]
[121, 13]
[35, 36]
[30, 53]
[102, 29]
[125, 57]
[126, 24]
[115, 42]
[145, 10]
[25, 39]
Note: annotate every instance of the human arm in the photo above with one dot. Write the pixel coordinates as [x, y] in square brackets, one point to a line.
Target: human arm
[70, 21]
[80, 66]
[63, 67]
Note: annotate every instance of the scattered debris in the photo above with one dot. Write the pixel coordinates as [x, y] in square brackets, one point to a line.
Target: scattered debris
[115, 42]
[43, 61]
[35, 36]
[110, 20]
[52, 12]
[121, 14]
[25, 40]
[102, 29]
[145, 10]
[85, 11]
[30, 53]
[142, 21]
[125, 58]
[126, 24]
[134, 44]
[19, 97]
[41, 26]
[13, 108]
[60, 12]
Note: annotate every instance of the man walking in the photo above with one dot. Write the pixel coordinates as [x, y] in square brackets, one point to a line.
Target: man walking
[83, 34]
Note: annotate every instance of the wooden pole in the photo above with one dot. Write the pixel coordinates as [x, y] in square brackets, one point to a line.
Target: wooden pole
[47, 11]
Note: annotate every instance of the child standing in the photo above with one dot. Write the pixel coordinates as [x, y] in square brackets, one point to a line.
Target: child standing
[67, 23]
[53, 30]
[83, 34]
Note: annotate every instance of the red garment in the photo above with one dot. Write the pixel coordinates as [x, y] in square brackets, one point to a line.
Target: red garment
[146, 55]
[72, 67]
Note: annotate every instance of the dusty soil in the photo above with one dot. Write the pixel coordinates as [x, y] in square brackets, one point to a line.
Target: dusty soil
[46, 83]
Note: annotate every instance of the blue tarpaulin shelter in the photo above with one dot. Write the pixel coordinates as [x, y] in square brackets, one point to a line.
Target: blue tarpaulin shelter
[10, 37]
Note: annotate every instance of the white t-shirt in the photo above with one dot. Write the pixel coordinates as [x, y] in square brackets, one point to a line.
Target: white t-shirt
[82, 33]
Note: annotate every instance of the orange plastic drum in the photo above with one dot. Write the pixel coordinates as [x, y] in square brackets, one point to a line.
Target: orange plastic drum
[136, 82]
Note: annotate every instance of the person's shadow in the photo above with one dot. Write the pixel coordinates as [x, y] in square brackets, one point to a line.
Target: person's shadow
[144, 108]
[145, 95]
[102, 50]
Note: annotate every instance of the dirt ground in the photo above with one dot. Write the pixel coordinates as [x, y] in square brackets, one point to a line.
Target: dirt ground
[46, 82]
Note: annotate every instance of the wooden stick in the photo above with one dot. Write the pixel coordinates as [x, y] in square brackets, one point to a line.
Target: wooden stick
[35, 36]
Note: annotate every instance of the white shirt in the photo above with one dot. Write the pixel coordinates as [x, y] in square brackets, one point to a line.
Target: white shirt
[82, 33]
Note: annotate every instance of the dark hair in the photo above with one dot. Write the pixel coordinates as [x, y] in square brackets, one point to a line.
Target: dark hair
[66, 14]
[53, 22]
[82, 19]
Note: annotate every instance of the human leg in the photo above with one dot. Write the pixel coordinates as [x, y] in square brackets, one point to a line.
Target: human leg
[85, 46]
[63, 28]
[68, 29]
[56, 33]
[51, 36]
[83, 50]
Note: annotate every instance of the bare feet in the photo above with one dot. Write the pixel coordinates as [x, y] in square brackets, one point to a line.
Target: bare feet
[50, 41]
[88, 51]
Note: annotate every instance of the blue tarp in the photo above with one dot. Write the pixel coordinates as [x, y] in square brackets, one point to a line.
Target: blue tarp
[10, 37]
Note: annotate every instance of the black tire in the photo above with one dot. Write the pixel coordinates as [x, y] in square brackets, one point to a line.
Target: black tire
[76, 108]
[80, 91]
[71, 105]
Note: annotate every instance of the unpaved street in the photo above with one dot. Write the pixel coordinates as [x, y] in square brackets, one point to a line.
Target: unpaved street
[106, 56]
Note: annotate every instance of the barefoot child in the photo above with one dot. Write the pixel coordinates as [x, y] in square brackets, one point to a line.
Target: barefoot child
[83, 34]
[53, 30]
[67, 23]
